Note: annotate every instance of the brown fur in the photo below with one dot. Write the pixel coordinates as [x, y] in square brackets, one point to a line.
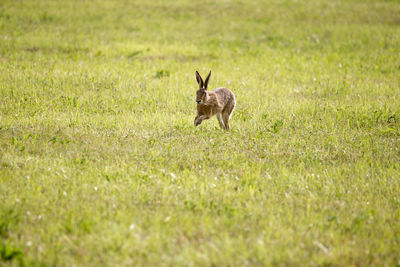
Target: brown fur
[220, 102]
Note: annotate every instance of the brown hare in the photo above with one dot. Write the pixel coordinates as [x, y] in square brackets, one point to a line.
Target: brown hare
[220, 102]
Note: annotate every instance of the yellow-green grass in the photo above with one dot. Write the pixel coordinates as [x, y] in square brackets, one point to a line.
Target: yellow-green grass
[101, 165]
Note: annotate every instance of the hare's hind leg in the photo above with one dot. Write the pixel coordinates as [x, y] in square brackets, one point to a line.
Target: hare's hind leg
[220, 120]
[226, 115]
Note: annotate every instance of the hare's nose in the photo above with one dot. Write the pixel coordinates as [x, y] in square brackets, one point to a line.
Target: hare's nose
[198, 101]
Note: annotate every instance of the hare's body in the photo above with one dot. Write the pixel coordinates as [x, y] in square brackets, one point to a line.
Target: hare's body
[220, 102]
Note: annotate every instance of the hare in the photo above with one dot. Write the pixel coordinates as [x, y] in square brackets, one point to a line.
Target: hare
[220, 102]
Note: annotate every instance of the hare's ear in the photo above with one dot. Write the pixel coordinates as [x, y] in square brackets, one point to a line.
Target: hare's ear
[199, 79]
[207, 79]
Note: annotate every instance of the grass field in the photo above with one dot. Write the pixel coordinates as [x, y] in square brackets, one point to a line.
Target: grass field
[101, 165]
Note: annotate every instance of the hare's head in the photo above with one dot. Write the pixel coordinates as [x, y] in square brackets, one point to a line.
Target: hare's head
[202, 93]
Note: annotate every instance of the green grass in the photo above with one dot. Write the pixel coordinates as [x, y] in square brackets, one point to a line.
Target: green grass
[100, 164]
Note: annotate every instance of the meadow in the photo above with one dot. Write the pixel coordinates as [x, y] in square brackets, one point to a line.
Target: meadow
[101, 165]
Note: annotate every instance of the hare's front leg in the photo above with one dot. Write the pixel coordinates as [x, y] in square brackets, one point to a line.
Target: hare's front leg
[199, 119]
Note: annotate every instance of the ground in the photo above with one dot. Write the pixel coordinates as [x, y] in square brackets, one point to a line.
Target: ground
[101, 165]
